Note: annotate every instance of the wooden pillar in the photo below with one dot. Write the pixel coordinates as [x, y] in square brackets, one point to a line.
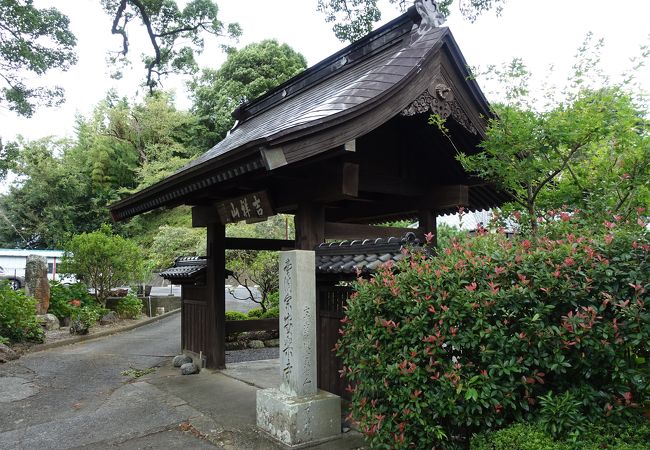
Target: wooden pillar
[216, 296]
[310, 225]
[427, 224]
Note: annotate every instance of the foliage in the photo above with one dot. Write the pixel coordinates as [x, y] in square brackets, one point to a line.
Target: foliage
[4, 340]
[259, 268]
[32, 40]
[87, 315]
[62, 298]
[540, 156]
[353, 19]
[50, 197]
[586, 145]
[271, 313]
[633, 435]
[129, 307]
[103, 260]
[519, 436]
[479, 336]
[245, 75]
[18, 316]
[236, 315]
[172, 242]
[64, 186]
[175, 34]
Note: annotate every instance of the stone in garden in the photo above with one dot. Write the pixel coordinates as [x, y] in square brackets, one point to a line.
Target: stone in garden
[189, 369]
[179, 360]
[36, 282]
[255, 344]
[49, 321]
[236, 345]
[272, 343]
[78, 327]
[109, 318]
[7, 354]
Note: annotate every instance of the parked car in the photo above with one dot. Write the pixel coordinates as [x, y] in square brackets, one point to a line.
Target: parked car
[15, 281]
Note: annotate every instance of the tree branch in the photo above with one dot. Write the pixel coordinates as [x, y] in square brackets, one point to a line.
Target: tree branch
[121, 31]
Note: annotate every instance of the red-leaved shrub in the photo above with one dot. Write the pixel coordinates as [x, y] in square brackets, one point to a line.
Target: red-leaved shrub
[496, 330]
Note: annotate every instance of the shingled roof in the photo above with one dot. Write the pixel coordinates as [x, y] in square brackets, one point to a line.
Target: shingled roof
[396, 69]
[362, 256]
[186, 270]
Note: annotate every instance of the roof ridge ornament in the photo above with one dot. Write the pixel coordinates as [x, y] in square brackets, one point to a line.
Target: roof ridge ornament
[430, 13]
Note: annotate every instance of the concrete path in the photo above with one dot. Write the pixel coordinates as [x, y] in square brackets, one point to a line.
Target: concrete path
[76, 397]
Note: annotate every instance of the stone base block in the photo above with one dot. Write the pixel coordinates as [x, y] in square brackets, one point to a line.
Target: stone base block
[296, 421]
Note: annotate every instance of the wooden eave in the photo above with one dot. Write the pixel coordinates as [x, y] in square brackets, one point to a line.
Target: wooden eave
[345, 96]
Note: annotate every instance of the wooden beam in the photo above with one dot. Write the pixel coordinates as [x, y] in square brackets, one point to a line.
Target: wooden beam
[204, 215]
[442, 197]
[239, 326]
[216, 297]
[427, 224]
[233, 243]
[329, 184]
[359, 231]
[310, 225]
[439, 198]
[381, 184]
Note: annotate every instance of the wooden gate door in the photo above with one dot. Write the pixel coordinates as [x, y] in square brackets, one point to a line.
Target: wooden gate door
[330, 301]
[194, 319]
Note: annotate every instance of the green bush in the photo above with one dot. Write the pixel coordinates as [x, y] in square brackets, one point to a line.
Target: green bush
[18, 316]
[629, 436]
[129, 307]
[436, 349]
[235, 315]
[62, 295]
[87, 315]
[103, 260]
[271, 313]
[273, 300]
[516, 437]
[4, 340]
[255, 313]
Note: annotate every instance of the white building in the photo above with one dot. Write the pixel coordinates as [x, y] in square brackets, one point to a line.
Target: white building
[13, 262]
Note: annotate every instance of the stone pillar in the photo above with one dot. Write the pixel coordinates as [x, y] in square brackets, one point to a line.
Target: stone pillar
[297, 412]
[36, 282]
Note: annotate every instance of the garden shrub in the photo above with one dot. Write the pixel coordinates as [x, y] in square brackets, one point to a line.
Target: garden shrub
[531, 436]
[64, 297]
[518, 436]
[236, 315]
[129, 307]
[255, 313]
[436, 349]
[87, 315]
[18, 316]
[271, 313]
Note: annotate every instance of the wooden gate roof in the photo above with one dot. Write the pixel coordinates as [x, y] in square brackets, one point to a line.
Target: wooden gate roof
[402, 67]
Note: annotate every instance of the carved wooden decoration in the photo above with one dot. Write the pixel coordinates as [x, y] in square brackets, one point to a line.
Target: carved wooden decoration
[439, 99]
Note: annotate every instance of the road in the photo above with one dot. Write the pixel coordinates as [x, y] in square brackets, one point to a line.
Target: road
[233, 296]
[76, 396]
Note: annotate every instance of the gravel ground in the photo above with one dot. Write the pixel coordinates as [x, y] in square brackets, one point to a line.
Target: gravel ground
[252, 354]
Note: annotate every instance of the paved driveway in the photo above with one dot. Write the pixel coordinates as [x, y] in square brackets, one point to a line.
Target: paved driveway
[76, 396]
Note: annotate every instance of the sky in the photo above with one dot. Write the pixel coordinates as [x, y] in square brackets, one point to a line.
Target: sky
[543, 33]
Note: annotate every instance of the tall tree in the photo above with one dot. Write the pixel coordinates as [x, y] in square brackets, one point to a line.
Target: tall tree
[354, 19]
[32, 41]
[175, 34]
[586, 148]
[245, 75]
